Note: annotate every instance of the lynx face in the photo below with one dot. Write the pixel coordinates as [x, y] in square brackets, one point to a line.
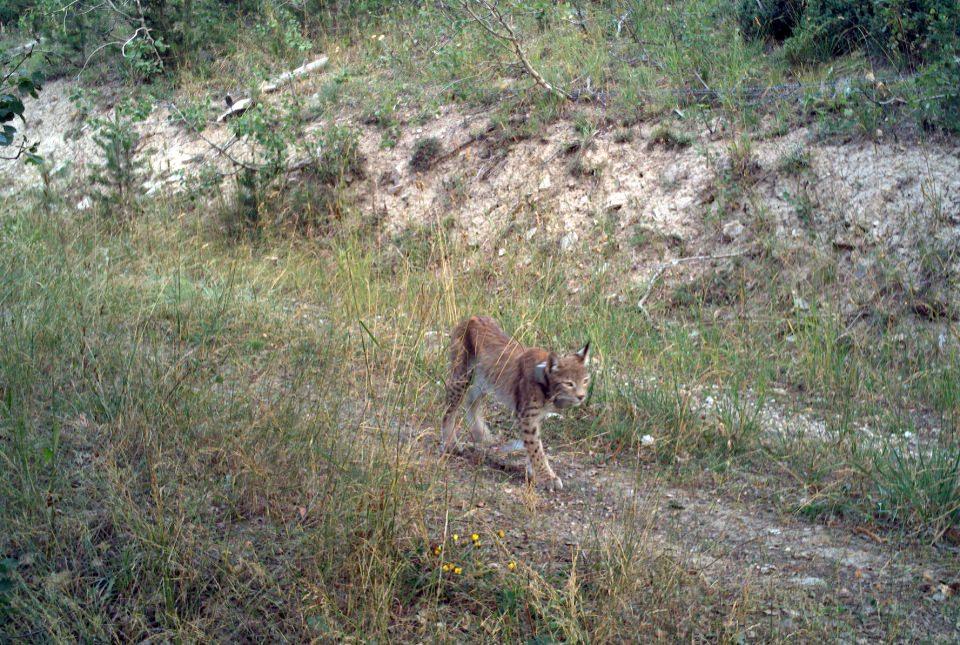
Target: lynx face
[567, 377]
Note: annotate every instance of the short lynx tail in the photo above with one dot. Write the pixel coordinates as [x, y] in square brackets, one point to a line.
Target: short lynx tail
[461, 343]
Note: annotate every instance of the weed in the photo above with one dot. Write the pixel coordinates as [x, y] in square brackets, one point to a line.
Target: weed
[666, 137]
[741, 165]
[919, 488]
[796, 161]
[339, 159]
[426, 151]
[623, 135]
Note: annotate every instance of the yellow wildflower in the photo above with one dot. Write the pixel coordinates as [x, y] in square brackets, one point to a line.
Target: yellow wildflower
[512, 565]
[446, 566]
[501, 534]
[456, 538]
[457, 570]
[437, 549]
[475, 537]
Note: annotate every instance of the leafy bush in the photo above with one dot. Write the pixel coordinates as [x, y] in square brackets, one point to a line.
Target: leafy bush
[666, 137]
[768, 19]
[15, 85]
[910, 31]
[919, 31]
[939, 85]
[908, 34]
[12, 10]
[313, 201]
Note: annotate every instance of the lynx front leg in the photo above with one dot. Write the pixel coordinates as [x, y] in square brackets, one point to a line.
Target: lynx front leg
[536, 458]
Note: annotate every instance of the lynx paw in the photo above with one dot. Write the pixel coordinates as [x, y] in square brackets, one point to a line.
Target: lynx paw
[550, 483]
[554, 484]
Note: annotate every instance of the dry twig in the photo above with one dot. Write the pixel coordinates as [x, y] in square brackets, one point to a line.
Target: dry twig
[672, 263]
[507, 34]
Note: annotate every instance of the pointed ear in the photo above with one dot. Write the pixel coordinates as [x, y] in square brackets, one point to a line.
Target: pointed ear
[552, 362]
[540, 373]
[584, 352]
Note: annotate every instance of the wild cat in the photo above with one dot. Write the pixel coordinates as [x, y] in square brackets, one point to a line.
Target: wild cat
[529, 380]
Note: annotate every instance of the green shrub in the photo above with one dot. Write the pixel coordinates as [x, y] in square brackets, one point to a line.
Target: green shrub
[768, 19]
[14, 87]
[310, 202]
[12, 10]
[666, 137]
[939, 86]
[904, 32]
[120, 172]
[917, 31]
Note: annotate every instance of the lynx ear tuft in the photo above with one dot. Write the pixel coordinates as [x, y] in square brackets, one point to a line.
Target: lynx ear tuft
[540, 373]
[584, 352]
[552, 362]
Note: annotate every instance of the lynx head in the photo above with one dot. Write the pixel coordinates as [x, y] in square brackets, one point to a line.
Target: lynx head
[565, 377]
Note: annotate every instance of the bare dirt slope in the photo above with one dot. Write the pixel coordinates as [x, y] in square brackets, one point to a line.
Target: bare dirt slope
[867, 200]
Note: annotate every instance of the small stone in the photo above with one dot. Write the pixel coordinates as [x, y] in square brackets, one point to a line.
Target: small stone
[84, 203]
[615, 202]
[809, 581]
[235, 109]
[529, 234]
[567, 241]
[545, 183]
[647, 440]
[732, 230]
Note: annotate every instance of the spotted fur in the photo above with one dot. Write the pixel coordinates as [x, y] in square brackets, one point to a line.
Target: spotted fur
[530, 381]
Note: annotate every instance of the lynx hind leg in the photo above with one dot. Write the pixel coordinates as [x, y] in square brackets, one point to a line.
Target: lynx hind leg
[537, 463]
[479, 431]
[457, 385]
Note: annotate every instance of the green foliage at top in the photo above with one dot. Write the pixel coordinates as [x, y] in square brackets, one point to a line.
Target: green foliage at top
[14, 86]
[899, 31]
[774, 19]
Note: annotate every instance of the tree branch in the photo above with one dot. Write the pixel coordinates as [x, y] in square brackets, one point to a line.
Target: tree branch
[672, 263]
[507, 34]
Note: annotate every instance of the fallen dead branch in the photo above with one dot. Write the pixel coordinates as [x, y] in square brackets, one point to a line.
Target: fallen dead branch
[236, 108]
[286, 78]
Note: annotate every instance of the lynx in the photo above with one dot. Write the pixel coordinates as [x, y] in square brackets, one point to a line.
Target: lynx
[528, 380]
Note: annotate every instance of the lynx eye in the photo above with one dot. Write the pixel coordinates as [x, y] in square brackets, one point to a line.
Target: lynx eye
[568, 383]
